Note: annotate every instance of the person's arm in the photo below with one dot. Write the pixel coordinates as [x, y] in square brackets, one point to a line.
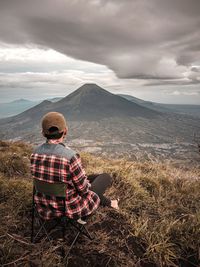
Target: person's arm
[78, 175]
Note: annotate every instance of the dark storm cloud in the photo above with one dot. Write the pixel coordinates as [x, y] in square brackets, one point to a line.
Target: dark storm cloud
[141, 39]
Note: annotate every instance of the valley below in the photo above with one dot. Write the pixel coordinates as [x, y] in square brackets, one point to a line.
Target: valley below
[176, 153]
[116, 140]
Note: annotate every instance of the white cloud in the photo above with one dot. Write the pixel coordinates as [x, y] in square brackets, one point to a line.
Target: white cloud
[30, 54]
[184, 93]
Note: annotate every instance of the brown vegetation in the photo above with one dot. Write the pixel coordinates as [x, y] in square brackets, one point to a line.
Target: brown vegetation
[158, 223]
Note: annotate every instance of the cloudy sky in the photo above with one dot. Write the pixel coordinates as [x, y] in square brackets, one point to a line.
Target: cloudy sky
[146, 48]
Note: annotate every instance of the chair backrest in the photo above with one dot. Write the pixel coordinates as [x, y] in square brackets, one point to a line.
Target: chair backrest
[50, 189]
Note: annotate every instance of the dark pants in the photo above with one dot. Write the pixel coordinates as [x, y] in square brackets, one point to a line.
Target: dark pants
[100, 182]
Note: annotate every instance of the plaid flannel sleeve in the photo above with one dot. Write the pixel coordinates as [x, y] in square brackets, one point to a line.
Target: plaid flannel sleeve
[79, 177]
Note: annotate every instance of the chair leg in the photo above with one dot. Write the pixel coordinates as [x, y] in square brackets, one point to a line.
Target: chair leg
[72, 244]
[32, 223]
[83, 230]
[63, 230]
[87, 233]
[32, 230]
[42, 227]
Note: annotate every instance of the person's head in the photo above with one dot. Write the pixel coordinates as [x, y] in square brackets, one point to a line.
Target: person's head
[54, 125]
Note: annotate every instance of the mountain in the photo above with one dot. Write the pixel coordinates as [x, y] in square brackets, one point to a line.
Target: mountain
[15, 107]
[99, 116]
[193, 110]
[91, 102]
[20, 105]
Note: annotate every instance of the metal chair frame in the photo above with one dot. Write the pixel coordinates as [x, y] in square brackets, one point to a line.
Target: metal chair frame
[55, 189]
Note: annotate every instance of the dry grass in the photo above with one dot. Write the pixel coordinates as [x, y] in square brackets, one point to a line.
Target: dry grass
[158, 223]
[14, 158]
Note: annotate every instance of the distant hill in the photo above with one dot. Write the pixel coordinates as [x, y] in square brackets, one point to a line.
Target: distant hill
[193, 110]
[96, 114]
[20, 105]
[15, 107]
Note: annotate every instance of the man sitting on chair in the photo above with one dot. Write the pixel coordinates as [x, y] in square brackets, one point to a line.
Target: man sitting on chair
[54, 162]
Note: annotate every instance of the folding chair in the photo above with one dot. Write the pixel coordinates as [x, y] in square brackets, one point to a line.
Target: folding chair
[57, 190]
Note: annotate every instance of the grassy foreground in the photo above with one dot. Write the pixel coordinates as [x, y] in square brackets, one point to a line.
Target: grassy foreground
[158, 223]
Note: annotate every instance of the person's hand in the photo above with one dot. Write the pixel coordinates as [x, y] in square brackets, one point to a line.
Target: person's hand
[114, 204]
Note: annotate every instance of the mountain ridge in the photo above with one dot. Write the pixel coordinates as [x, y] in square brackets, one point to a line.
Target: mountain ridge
[18, 106]
[185, 109]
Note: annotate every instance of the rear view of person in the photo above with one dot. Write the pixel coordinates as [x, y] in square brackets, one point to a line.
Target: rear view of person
[54, 162]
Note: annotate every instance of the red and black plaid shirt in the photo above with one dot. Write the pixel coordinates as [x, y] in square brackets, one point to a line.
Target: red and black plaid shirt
[80, 200]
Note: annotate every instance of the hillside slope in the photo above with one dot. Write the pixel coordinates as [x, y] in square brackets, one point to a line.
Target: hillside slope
[158, 223]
